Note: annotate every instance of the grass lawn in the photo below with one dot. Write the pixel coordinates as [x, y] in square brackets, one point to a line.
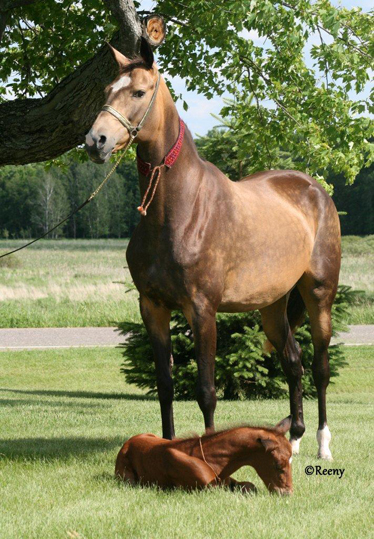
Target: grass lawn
[80, 283]
[65, 414]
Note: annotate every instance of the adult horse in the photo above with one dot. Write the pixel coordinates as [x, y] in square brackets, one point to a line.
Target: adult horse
[206, 244]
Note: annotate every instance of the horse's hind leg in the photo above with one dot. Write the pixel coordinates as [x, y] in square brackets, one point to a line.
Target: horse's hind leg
[277, 329]
[318, 297]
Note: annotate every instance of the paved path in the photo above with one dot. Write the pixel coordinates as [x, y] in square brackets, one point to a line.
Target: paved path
[43, 338]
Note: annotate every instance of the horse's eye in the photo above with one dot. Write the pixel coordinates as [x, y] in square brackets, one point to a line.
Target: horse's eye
[139, 93]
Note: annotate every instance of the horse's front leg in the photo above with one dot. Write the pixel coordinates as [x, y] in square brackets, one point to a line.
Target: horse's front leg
[156, 319]
[203, 323]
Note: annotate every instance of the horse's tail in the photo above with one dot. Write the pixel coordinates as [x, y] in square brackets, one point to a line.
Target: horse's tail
[295, 309]
[295, 314]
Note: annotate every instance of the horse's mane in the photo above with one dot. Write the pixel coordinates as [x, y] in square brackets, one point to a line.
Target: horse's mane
[134, 64]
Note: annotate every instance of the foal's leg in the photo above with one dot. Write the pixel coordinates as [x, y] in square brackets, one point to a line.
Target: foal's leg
[278, 331]
[188, 472]
[157, 321]
[318, 299]
[203, 324]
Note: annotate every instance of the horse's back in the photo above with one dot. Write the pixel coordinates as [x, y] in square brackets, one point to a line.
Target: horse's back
[279, 216]
[290, 185]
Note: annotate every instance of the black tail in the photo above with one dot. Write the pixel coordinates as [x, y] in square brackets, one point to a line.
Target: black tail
[295, 314]
[295, 309]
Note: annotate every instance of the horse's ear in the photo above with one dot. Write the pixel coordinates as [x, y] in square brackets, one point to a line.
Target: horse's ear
[154, 30]
[146, 53]
[121, 60]
[284, 426]
[268, 444]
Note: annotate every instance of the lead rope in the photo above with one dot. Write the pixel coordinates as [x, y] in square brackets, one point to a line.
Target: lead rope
[218, 479]
[144, 207]
[91, 197]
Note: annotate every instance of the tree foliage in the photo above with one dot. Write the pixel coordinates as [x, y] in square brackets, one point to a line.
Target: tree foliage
[253, 51]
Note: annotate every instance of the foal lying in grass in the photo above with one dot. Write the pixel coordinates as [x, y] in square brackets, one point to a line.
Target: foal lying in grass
[210, 460]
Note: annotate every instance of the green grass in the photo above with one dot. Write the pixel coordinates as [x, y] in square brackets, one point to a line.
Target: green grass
[65, 414]
[66, 283]
[79, 283]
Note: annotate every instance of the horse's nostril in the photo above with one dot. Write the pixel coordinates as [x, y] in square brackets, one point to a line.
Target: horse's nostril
[102, 140]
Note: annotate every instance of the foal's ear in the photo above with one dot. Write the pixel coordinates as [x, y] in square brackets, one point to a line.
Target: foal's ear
[268, 444]
[154, 30]
[121, 60]
[284, 426]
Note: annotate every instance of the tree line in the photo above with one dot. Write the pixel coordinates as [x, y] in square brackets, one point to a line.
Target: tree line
[34, 198]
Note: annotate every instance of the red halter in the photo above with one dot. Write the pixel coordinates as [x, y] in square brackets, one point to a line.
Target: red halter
[145, 168]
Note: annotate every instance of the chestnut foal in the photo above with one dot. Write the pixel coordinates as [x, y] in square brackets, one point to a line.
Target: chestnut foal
[210, 460]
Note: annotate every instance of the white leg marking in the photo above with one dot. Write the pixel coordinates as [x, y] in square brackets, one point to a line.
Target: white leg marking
[295, 444]
[323, 439]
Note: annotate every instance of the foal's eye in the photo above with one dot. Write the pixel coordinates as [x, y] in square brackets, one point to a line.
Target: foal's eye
[139, 93]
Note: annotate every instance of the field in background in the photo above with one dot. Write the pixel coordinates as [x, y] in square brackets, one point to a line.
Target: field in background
[358, 272]
[64, 415]
[66, 283]
[80, 283]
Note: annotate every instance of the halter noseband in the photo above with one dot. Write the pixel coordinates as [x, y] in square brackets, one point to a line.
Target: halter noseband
[132, 129]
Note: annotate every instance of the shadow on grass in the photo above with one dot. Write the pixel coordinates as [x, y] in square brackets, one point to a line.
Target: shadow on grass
[12, 403]
[79, 394]
[46, 449]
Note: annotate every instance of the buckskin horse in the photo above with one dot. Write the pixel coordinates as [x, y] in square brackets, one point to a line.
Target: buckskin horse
[206, 244]
[210, 460]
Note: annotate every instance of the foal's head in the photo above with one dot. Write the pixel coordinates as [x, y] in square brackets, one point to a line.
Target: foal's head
[129, 94]
[273, 461]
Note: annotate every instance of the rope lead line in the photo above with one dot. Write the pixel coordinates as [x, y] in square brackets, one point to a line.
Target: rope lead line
[91, 197]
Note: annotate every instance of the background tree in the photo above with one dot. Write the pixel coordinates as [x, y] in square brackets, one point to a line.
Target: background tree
[48, 50]
[50, 206]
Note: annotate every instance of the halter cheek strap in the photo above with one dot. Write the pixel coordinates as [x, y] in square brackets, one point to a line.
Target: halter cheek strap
[133, 129]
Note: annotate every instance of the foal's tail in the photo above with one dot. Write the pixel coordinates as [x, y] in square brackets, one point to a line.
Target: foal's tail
[295, 314]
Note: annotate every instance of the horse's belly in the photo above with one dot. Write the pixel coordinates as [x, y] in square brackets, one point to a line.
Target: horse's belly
[253, 282]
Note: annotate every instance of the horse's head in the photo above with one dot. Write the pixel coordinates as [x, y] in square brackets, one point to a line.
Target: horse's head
[130, 99]
[274, 462]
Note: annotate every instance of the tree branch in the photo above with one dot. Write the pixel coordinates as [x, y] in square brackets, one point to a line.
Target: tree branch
[129, 24]
[3, 22]
[34, 130]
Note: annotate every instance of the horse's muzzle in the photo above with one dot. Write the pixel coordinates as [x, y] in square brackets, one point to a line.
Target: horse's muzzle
[98, 150]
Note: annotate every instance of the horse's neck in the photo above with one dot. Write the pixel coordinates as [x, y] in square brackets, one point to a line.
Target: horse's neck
[175, 193]
[229, 451]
